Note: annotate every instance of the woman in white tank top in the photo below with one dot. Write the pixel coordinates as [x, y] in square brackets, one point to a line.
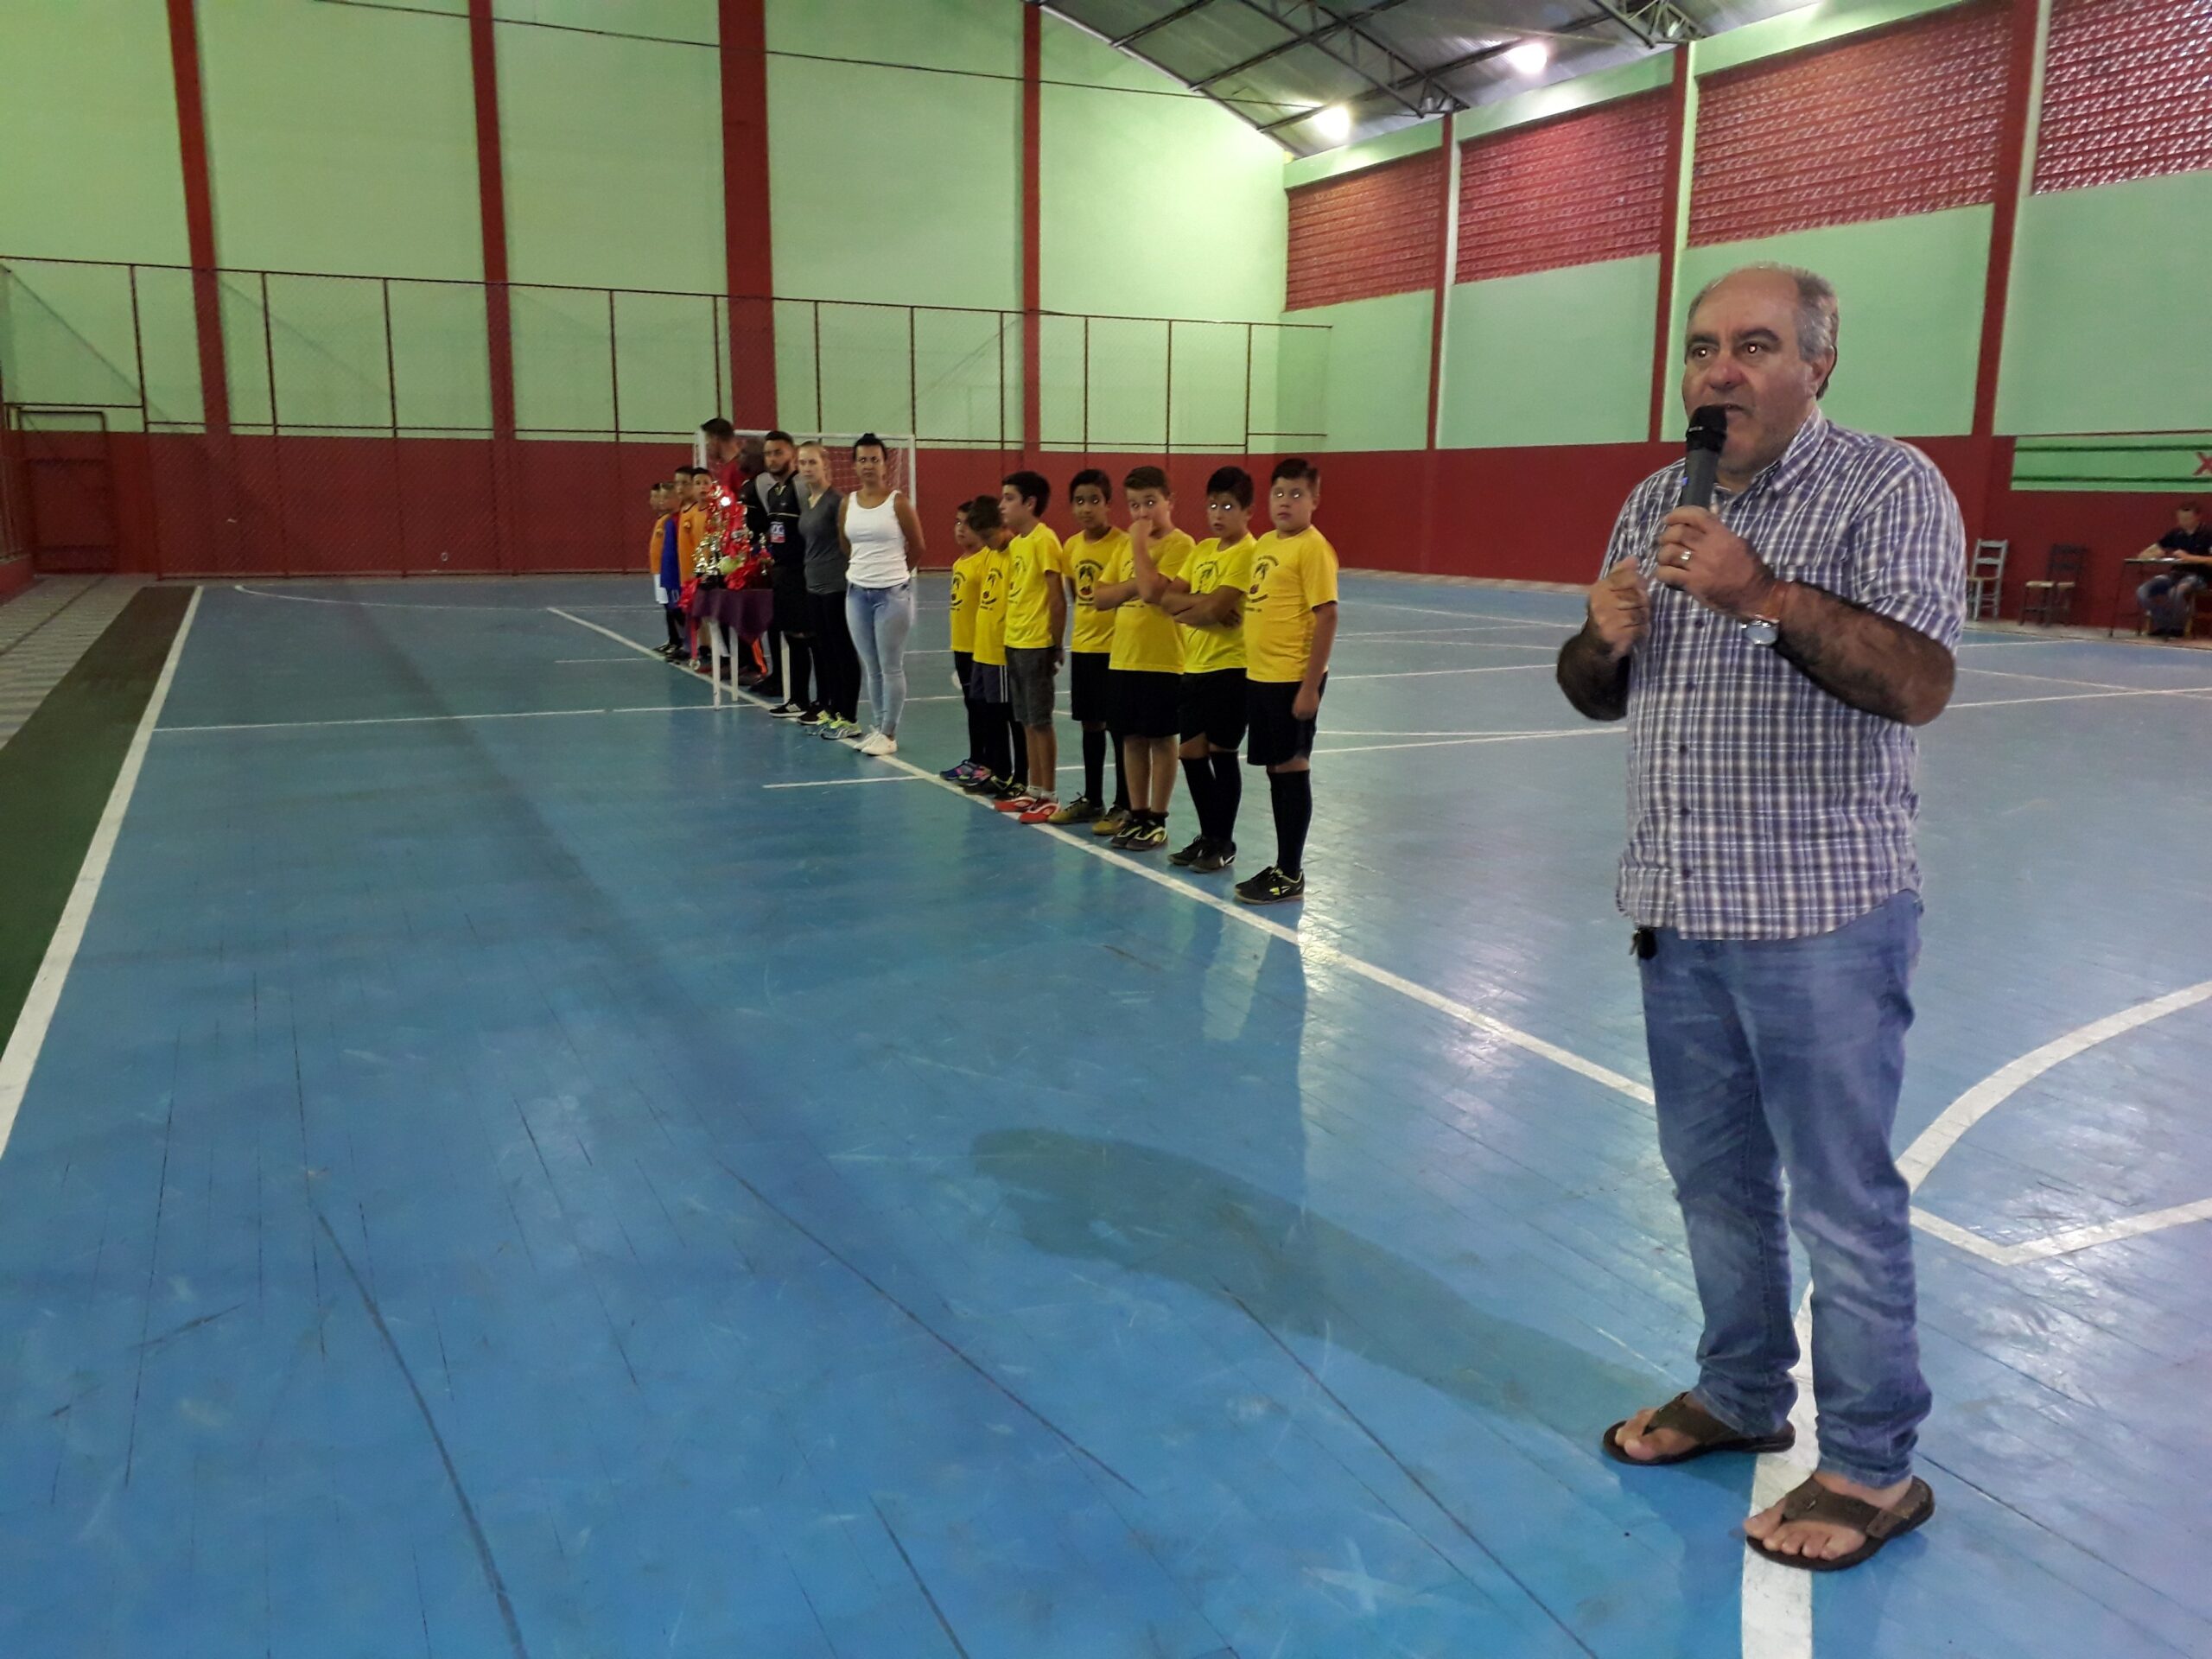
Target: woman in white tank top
[883, 543]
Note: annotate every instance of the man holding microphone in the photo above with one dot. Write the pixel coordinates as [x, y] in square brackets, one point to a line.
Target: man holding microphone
[1771, 652]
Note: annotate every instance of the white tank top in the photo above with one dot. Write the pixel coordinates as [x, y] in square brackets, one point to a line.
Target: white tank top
[878, 545]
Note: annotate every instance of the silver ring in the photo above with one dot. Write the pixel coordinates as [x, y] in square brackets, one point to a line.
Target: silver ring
[1684, 557]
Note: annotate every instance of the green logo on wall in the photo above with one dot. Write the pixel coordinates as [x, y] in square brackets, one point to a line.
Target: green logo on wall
[2118, 461]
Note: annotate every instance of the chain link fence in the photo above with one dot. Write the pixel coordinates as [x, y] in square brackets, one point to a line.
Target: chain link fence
[364, 424]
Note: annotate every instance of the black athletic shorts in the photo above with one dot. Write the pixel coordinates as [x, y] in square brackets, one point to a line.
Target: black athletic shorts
[793, 614]
[1143, 701]
[1088, 700]
[1211, 706]
[1275, 736]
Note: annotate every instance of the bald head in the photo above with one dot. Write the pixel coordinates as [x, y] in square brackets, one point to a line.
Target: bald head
[1760, 343]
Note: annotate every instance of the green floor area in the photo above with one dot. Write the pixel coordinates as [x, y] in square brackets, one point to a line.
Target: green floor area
[55, 775]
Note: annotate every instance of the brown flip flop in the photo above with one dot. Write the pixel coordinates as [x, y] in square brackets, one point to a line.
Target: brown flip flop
[1685, 1416]
[1813, 1502]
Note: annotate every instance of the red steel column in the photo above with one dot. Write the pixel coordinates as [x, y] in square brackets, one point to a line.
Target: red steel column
[2012, 165]
[1033, 260]
[748, 249]
[198, 214]
[491, 194]
[1678, 121]
[1444, 243]
[498, 324]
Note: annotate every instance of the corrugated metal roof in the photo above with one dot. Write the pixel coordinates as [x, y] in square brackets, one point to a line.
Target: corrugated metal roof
[1277, 63]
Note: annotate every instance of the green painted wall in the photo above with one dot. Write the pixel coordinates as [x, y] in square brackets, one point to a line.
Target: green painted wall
[2108, 328]
[343, 139]
[1377, 379]
[88, 125]
[610, 147]
[1154, 206]
[1550, 357]
[901, 187]
[1911, 292]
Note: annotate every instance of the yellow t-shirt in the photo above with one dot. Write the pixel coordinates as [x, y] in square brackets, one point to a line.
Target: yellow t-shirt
[990, 609]
[652, 544]
[1087, 563]
[1146, 638]
[967, 595]
[1290, 575]
[1038, 563]
[1205, 650]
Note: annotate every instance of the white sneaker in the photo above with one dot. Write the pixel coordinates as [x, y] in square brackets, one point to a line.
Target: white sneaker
[859, 737]
[878, 744]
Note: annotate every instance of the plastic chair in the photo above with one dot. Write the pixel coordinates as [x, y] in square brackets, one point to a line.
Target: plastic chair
[2051, 598]
[1985, 579]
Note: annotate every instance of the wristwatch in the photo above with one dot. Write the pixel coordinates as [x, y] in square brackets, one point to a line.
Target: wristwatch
[1762, 630]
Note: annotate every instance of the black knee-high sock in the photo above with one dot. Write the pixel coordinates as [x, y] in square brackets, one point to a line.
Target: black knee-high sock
[802, 680]
[1094, 763]
[1228, 793]
[979, 749]
[675, 627]
[1019, 734]
[1198, 774]
[1121, 777]
[1294, 802]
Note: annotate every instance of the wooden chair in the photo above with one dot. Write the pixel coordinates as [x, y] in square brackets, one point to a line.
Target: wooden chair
[1985, 579]
[2051, 598]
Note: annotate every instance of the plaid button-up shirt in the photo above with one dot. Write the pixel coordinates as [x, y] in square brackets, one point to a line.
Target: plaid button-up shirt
[1759, 806]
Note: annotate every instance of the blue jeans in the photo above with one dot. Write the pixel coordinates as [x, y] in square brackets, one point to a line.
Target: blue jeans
[880, 619]
[2165, 600]
[1769, 1055]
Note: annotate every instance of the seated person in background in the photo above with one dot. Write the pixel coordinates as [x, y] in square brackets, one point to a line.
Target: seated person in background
[2165, 598]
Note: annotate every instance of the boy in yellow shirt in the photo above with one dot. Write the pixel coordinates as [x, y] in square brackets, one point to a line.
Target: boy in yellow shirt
[1207, 600]
[1148, 660]
[967, 596]
[1090, 555]
[1036, 626]
[1290, 626]
[1005, 761]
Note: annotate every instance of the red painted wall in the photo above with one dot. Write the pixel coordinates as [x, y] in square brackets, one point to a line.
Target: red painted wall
[1586, 187]
[1902, 120]
[1372, 233]
[233, 505]
[2125, 92]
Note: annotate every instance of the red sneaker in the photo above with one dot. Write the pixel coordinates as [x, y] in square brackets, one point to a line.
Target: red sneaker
[1041, 811]
[1014, 804]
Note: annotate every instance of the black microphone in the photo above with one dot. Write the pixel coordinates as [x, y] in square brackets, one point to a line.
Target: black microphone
[1708, 434]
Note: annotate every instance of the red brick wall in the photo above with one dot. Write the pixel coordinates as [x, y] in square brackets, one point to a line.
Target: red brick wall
[1904, 120]
[2128, 92]
[1372, 233]
[1588, 187]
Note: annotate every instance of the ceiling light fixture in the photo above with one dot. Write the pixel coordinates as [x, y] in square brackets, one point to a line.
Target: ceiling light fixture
[1333, 123]
[1530, 57]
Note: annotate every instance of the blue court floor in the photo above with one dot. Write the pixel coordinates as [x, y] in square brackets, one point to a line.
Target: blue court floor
[529, 1162]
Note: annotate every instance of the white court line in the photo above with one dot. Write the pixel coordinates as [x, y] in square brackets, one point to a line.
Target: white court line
[429, 720]
[1488, 616]
[1313, 951]
[2094, 685]
[1969, 1108]
[564, 662]
[387, 604]
[1592, 730]
[1432, 673]
[2086, 696]
[1778, 1601]
[20, 1059]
